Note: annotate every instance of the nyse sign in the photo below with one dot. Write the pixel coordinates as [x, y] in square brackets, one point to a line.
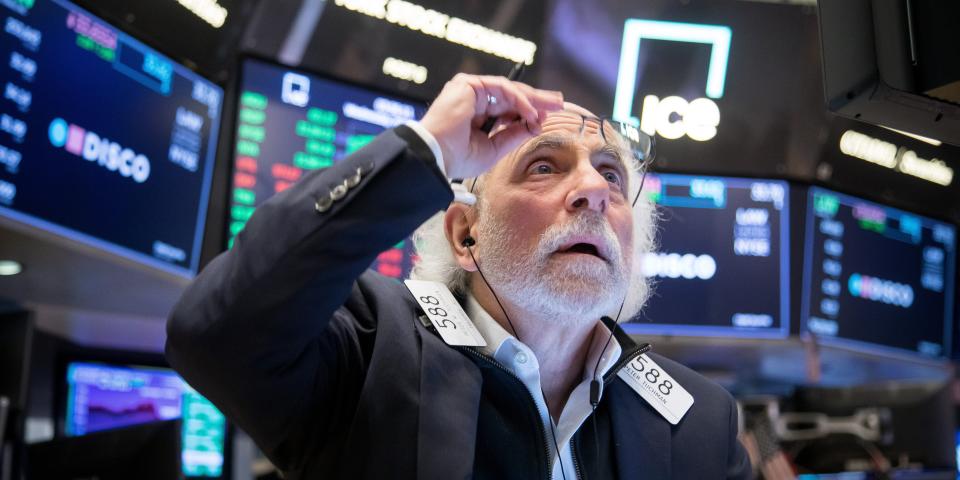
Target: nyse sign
[672, 117]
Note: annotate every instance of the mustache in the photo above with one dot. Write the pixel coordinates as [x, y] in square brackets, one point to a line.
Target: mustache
[587, 223]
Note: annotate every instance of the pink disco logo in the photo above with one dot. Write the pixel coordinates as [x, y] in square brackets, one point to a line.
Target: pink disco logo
[95, 148]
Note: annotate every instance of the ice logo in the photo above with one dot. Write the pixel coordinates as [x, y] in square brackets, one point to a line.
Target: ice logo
[672, 117]
[879, 290]
[94, 148]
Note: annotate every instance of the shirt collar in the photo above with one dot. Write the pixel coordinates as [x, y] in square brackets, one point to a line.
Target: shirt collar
[500, 341]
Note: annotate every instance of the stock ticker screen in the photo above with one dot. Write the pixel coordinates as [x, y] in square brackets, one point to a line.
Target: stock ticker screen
[102, 139]
[722, 263]
[103, 397]
[290, 123]
[876, 277]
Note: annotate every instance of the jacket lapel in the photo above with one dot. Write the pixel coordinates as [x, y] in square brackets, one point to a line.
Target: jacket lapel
[449, 401]
[641, 436]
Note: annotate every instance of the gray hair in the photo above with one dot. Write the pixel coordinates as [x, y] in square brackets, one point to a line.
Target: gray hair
[437, 263]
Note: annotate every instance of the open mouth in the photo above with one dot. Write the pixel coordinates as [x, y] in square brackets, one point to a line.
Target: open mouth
[583, 248]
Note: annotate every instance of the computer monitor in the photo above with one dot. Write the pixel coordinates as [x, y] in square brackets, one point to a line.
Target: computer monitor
[102, 397]
[291, 122]
[721, 267]
[876, 277]
[103, 140]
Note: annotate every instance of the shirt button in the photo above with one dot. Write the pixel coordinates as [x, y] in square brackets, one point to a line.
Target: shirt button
[521, 358]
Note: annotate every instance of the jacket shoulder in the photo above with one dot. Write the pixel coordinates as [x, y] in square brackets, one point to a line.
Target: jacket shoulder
[376, 297]
[708, 396]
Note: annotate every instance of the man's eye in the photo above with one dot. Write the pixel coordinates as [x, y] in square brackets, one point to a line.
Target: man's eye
[613, 177]
[542, 168]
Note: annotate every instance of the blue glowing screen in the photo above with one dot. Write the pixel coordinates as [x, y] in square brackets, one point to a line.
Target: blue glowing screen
[102, 139]
[721, 267]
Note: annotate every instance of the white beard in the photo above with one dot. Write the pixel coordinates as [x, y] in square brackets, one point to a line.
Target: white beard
[568, 289]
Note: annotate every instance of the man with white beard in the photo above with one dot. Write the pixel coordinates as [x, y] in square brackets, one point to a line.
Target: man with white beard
[503, 359]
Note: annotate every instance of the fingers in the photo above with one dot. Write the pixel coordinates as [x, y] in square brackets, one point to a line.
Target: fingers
[508, 97]
[467, 102]
[497, 96]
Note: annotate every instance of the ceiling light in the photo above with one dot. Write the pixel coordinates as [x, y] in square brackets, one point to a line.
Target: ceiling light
[10, 267]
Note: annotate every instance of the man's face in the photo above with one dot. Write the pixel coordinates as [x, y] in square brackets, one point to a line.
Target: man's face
[555, 222]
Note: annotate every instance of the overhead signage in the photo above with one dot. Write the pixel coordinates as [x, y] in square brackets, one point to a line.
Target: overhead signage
[440, 25]
[889, 155]
[672, 117]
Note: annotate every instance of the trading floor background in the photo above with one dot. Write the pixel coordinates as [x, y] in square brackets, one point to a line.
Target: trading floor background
[806, 252]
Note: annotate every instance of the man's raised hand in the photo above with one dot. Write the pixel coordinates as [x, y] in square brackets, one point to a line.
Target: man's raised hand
[456, 116]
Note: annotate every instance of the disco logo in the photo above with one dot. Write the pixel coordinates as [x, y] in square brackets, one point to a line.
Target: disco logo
[879, 290]
[94, 148]
[673, 116]
[675, 265]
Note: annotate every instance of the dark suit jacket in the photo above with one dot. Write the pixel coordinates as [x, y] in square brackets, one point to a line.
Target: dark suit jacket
[328, 368]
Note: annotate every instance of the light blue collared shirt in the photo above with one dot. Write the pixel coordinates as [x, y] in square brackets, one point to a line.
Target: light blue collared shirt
[522, 362]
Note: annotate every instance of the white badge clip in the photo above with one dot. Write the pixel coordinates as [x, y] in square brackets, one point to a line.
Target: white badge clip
[658, 388]
[446, 315]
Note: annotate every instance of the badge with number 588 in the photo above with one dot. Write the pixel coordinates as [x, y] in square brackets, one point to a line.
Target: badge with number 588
[657, 387]
[446, 315]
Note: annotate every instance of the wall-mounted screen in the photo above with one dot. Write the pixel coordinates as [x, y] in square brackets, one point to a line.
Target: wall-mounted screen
[102, 139]
[877, 277]
[411, 46]
[290, 123]
[722, 263]
[103, 397]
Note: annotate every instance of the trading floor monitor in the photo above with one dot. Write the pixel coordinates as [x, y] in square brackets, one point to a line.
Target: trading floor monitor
[101, 397]
[721, 267]
[877, 278]
[103, 140]
[290, 123]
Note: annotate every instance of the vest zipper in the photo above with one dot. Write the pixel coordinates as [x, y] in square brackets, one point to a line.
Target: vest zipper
[543, 431]
[573, 455]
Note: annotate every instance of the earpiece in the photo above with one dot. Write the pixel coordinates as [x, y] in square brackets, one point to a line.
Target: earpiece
[468, 241]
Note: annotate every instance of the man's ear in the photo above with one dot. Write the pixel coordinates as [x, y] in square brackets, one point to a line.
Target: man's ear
[458, 224]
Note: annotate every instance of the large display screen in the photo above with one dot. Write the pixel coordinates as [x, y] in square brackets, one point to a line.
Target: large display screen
[102, 397]
[411, 46]
[103, 139]
[875, 276]
[291, 122]
[712, 80]
[721, 267]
